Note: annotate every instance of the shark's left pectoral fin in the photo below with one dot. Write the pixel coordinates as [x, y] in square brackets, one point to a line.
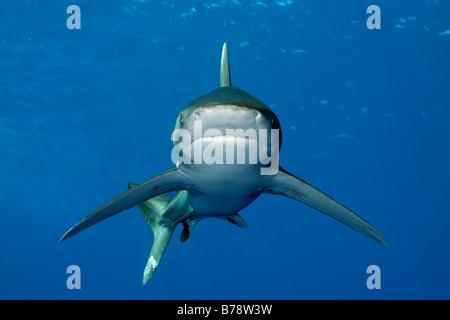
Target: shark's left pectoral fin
[283, 183]
[165, 182]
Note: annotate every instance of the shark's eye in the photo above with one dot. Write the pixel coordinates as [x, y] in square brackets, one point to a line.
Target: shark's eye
[181, 118]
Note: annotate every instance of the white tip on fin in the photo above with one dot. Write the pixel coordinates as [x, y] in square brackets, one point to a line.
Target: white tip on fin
[162, 238]
[225, 77]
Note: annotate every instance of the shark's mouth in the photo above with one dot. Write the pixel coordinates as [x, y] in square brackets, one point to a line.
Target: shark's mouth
[239, 147]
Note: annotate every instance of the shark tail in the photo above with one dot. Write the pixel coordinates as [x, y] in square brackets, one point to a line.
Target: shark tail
[160, 212]
[162, 239]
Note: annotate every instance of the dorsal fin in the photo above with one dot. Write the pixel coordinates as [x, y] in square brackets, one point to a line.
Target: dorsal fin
[225, 77]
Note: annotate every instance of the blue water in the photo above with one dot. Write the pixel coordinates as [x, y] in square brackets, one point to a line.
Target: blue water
[365, 117]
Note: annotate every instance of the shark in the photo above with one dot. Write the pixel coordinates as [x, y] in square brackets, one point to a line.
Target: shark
[212, 181]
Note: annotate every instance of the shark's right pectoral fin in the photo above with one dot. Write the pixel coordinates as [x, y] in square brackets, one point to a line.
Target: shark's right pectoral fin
[283, 183]
[171, 180]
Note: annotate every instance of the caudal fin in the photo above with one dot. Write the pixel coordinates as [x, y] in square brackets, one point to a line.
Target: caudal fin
[160, 212]
[162, 239]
